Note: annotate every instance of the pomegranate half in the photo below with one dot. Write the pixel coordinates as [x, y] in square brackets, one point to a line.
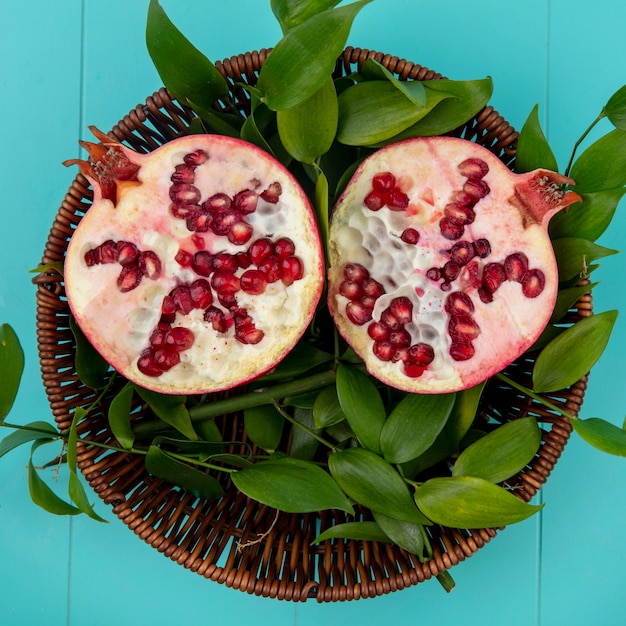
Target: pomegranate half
[441, 269]
[198, 266]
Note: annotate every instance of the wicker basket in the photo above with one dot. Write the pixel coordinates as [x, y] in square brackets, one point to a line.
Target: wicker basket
[234, 540]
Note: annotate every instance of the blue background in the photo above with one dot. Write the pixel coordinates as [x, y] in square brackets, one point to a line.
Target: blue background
[71, 63]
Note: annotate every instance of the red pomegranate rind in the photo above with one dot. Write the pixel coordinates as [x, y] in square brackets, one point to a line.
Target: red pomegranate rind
[477, 268]
[153, 272]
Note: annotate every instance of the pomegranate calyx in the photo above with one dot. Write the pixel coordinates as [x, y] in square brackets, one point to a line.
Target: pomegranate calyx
[540, 195]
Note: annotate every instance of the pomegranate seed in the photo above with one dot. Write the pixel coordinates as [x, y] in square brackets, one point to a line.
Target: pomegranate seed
[461, 351]
[217, 319]
[421, 354]
[260, 249]
[484, 295]
[243, 260]
[253, 281]
[202, 263]
[224, 220]
[533, 283]
[147, 366]
[477, 188]
[270, 266]
[168, 306]
[201, 294]
[470, 275]
[450, 230]
[462, 198]
[473, 168]
[413, 370]
[291, 269]
[397, 200]
[195, 158]
[183, 173]
[462, 327]
[355, 272]
[350, 289]
[246, 201]
[183, 258]
[400, 338]
[240, 233]
[108, 251]
[149, 264]
[91, 258]
[516, 266]
[389, 320]
[378, 331]
[182, 193]
[375, 200]
[434, 273]
[358, 313]
[182, 299]
[410, 236]
[459, 303]
[129, 277]
[493, 276]
[450, 271]
[199, 221]
[157, 338]
[401, 355]
[462, 252]
[183, 211]
[248, 334]
[225, 261]
[227, 300]
[372, 288]
[384, 181]
[179, 339]
[284, 247]
[225, 282]
[402, 309]
[217, 202]
[459, 215]
[198, 241]
[166, 359]
[383, 350]
[272, 193]
[482, 247]
[127, 252]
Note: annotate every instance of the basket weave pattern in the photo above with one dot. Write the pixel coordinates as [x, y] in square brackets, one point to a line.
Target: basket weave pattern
[234, 540]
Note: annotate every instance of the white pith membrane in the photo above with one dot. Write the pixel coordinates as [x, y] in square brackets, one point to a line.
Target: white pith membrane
[119, 324]
[427, 174]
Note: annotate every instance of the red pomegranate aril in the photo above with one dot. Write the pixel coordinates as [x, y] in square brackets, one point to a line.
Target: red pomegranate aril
[351, 290]
[463, 327]
[225, 261]
[129, 278]
[389, 320]
[533, 283]
[476, 188]
[410, 236]
[358, 313]
[270, 267]
[413, 370]
[355, 272]
[246, 201]
[199, 221]
[450, 230]
[224, 220]
[183, 173]
[240, 233]
[450, 271]
[485, 295]
[248, 333]
[459, 303]
[459, 215]
[433, 273]
[397, 200]
[461, 351]
[375, 200]
[462, 252]
[184, 258]
[157, 338]
[202, 263]
[195, 158]
[494, 275]
[401, 355]
[482, 248]
[473, 168]
[149, 264]
[378, 331]
[165, 360]
[272, 193]
[184, 211]
[384, 350]
[179, 338]
[217, 319]
[107, 252]
[291, 269]
[127, 252]
[182, 299]
[168, 305]
[253, 281]
[402, 309]
[284, 247]
[516, 266]
[182, 193]
[147, 366]
[227, 300]
[400, 338]
[217, 202]
[462, 198]
[384, 182]
[198, 241]
[201, 294]
[260, 249]
[225, 282]
[422, 354]
[243, 260]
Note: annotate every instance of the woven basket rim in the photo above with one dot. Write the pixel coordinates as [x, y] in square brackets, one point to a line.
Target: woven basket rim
[204, 536]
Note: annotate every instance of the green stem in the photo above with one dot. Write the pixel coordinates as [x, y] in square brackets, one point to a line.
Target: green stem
[306, 429]
[33, 430]
[532, 394]
[446, 581]
[580, 140]
[186, 459]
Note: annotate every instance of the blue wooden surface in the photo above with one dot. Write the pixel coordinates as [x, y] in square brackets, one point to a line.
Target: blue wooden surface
[73, 63]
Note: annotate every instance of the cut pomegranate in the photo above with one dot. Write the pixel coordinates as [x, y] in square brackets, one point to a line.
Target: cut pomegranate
[466, 270]
[198, 266]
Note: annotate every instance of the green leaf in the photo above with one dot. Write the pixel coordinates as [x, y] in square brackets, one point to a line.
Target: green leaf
[90, 366]
[305, 57]
[11, 368]
[327, 410]
[291, 485]
[567, 298]
[568, 357]
[602, 435]
[602, 165]
[361, 404]
[188, 75]
[587, 219]
[372, 112]
[470, 502]
[574, 255]
[615, 108]
[41, 494]
[533, 150]
[414, 90]
[369, 480]
[264, 426]
[407, 535]
[413, 425]
[303, 446]
[501, 453]
[56, 266]
[119, 416]
[290, 13]
[307, 130]
[322, 208]
[41, 430]
[465, 98]
[171, 409]
[201, 450]
[192, 480]
[357, 531]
